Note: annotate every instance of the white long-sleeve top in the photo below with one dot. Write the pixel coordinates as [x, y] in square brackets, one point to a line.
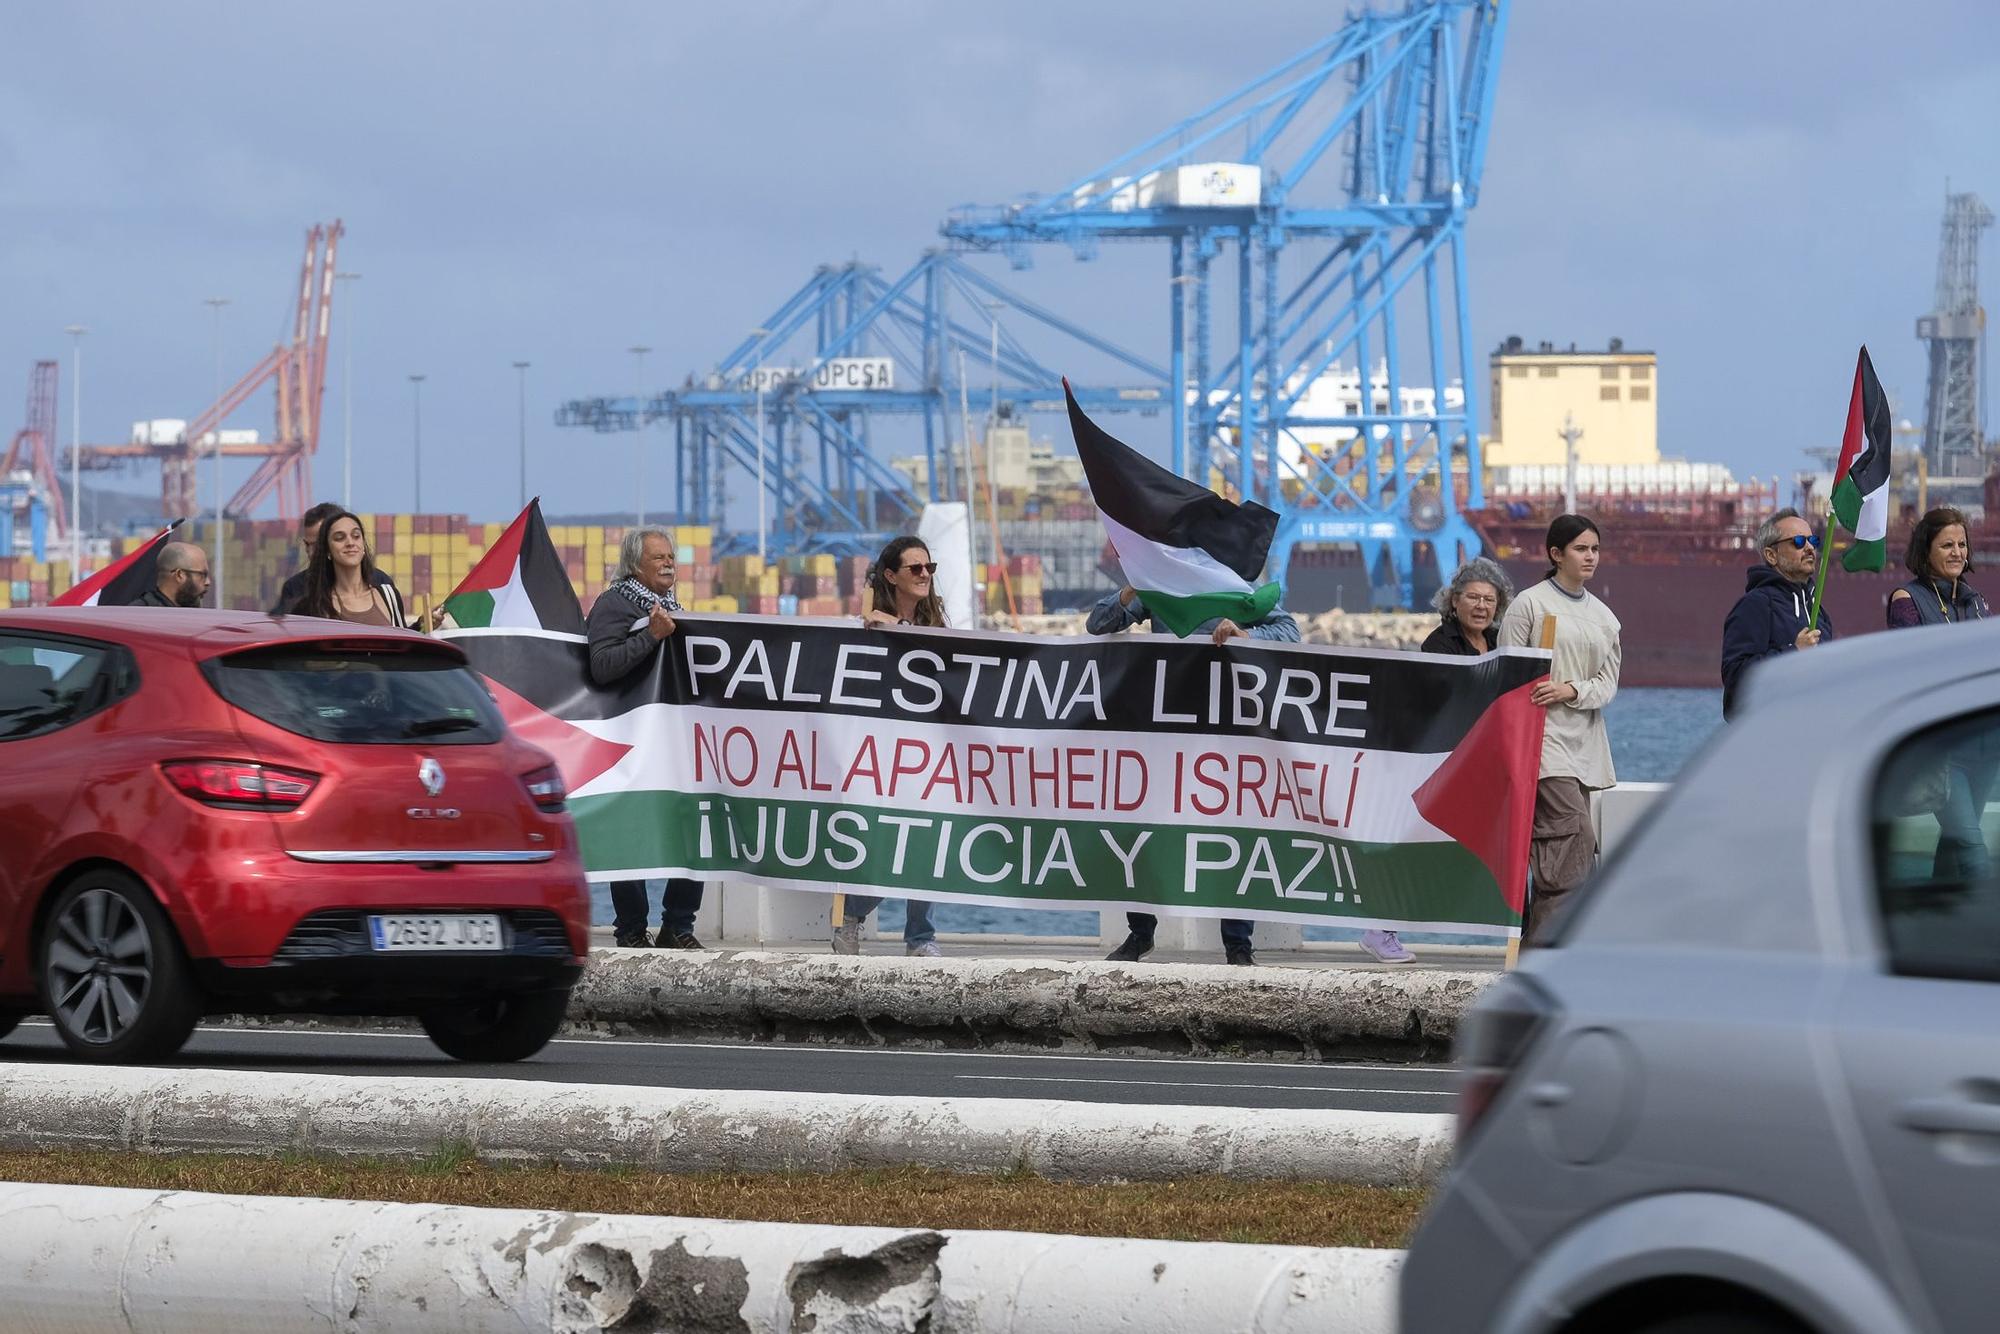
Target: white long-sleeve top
[1574, 742]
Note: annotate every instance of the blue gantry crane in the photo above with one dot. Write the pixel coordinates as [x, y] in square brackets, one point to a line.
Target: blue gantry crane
[1339, 183]
[792, 404]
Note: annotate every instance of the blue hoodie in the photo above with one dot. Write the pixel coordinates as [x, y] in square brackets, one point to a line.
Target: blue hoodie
[1765, 620]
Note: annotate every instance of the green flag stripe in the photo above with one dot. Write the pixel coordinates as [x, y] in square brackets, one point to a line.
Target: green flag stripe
[1183, 615]
[471, 609]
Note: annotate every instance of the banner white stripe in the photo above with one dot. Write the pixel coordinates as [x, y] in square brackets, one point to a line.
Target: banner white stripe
[1218, 787]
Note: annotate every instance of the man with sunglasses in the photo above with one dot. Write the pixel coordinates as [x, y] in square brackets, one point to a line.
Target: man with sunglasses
[182, 581]
[1771, 616]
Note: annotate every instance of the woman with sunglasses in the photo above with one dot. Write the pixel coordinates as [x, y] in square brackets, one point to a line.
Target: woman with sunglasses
[1939, 557]
[1771, 617]
[902, 590]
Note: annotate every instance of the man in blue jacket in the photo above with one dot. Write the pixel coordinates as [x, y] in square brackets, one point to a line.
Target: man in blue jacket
[1770, 618]
[1121, 611]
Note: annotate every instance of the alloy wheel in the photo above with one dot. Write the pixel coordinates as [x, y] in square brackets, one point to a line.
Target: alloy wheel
[100, 966]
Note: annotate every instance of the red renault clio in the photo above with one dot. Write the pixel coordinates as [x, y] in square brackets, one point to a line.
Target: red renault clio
[218, 812]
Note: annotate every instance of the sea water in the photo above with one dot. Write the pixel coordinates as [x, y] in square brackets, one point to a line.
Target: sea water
[1653, 733]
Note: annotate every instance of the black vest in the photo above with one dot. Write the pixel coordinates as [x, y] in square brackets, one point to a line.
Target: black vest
[1940, 603]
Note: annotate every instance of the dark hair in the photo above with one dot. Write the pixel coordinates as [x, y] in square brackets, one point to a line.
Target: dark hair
[1917, 560]
[930, 611]
[316, 598]
[1565, 530]
[317, 516]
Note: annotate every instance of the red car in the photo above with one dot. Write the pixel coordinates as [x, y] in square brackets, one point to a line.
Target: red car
[223, 813]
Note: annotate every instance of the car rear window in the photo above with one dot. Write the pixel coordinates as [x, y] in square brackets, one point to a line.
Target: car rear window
[359, 696]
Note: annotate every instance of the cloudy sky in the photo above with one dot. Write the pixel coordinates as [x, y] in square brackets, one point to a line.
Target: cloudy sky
[1750, 189]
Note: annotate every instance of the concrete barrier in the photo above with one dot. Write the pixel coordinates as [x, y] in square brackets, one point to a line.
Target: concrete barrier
[93, 1258]
[680, 1130]
[1197, 1009]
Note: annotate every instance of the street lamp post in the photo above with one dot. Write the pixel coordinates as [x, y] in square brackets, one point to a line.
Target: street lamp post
[76, 333]
[760, 333]
[347, 406]
[521, 370]
[417, 422]
[215, 305]
[639, 427]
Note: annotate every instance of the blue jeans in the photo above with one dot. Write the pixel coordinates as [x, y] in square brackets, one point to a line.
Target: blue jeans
[1961, 850]
[917, 928]
[678, 905]
[1235, 930]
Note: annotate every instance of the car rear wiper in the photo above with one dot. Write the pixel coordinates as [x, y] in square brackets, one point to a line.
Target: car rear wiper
[433, 726]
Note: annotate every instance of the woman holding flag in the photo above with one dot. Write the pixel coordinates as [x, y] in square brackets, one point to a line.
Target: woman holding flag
[1576, 750]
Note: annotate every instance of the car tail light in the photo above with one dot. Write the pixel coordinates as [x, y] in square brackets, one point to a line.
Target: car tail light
[1493, 1041]
[545, 785]
[240, 784]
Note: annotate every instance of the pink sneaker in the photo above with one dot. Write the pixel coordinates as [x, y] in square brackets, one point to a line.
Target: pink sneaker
[1386, 947]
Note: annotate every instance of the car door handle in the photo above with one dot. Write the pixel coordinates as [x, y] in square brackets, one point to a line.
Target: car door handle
[1949, 1116]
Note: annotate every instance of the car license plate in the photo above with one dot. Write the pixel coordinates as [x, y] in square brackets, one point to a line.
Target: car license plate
[434, 931]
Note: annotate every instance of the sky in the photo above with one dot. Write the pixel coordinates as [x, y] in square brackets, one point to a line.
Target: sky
[1751, 190]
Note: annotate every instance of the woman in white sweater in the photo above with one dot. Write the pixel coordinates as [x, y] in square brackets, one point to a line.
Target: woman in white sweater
[1576, 752]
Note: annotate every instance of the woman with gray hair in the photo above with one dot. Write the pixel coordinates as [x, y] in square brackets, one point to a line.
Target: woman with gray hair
[1468, 611]
[1469, 607]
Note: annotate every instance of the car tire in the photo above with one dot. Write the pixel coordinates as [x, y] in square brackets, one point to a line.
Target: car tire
[8, 1019]
[113, 974]
[498, 1028]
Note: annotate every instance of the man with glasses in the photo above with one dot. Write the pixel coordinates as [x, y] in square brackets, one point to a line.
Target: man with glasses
[1771, 616]
[182, 578]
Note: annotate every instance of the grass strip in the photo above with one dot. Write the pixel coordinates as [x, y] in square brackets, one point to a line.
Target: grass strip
[1285, 1213]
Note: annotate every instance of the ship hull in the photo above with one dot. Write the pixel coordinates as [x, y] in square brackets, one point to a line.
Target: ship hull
[1671, 614]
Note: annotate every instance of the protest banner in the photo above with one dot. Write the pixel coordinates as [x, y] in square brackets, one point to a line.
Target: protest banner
[1284, 782]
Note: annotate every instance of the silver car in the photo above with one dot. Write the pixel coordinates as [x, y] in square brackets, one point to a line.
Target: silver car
[1755, 1084]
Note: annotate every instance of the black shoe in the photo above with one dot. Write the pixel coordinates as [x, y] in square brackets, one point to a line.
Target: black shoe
[683, 941]
[631, 940]
[1135, 948]
[1241, 954]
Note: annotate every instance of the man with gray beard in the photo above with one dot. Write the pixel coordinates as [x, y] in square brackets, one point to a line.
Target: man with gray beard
[628, 623]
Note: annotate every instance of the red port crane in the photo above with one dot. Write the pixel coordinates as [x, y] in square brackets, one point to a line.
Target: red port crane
[34, 445]
[296, 371]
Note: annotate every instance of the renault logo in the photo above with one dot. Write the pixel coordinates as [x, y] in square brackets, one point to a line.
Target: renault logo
[431, 774]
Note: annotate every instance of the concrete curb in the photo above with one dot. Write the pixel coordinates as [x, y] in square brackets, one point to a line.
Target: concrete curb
[679, 1130]
[1198, 1009]
[79, 1257]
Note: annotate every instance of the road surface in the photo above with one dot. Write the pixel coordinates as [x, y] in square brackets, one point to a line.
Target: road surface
[1178, 1081]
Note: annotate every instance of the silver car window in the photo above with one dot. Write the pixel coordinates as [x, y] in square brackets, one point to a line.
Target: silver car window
[1936, 822]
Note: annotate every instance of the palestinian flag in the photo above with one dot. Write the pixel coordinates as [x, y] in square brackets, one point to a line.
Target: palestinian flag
[122, 582]
[1861, 481]
[519, 584]
[1190, 555]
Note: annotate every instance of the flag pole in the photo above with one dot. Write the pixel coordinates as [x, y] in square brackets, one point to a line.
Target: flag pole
[1825, 559]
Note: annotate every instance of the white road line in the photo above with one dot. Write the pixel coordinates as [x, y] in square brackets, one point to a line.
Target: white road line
[769, 1049]
[1203, 1084]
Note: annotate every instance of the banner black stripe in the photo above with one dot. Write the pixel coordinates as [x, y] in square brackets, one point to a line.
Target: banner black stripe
[1380, 701]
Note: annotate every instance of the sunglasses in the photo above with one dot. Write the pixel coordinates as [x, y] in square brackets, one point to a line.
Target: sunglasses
[928, 567]
[1799, 542]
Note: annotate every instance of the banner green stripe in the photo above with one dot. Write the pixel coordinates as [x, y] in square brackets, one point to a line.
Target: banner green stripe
[1054, 863]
